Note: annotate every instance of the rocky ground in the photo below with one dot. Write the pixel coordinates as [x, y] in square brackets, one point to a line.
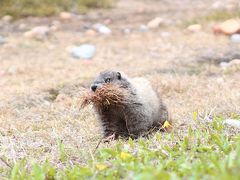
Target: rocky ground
[41, 82]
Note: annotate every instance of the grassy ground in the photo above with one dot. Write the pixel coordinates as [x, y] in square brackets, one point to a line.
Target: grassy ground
[24, 8]
[206, 150]
[43, 133]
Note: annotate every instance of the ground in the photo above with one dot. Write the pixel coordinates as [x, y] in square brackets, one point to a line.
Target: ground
[41, 83]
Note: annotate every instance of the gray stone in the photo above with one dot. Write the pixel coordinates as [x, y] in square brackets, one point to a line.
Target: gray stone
[143, 28]
[2, 40]
[235, 38]
[102, 29]
[85, 51]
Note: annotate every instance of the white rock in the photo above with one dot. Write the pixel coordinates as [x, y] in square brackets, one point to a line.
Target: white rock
[155, 23]
[217, 5]
[165, 34]
[224, 65]
[126, 31]
[232, 122]
[228, 27]
[66, 16]
[235, 38]
[235, 62]
[102, 29]
[194, 27]
[2, 40]
[85, 51]
[22, 26]
[143, 28]
[39, 32]
[7, 18]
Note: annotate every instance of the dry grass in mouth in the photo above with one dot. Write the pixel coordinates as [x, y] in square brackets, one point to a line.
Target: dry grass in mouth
[105, 96]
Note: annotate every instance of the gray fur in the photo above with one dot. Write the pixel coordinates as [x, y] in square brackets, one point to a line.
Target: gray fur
[143, 112]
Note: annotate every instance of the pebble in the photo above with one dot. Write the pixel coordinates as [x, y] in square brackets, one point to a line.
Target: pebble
[232, 122]
[218, 5]
[143, 28]
[224, 65]
[39, 32]
[235, 62]
[66, 16]
[126, 31]
[194, 28]
[102, 29]
[2, 40]
[232, 63]
[165, 34]
[227, 27]
[91, 32]
[235, 38]
[7, 18]
[155, 23]
[85, 51]
[22, 26]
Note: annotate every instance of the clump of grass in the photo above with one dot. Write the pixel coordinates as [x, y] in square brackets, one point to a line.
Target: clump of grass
[24, 8]
[203, 150]
[106, 96]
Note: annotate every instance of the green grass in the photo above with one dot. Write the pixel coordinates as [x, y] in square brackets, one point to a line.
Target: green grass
[201, 151]
[23, 8]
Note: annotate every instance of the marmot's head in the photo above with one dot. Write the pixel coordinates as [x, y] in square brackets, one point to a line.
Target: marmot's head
[105, 77]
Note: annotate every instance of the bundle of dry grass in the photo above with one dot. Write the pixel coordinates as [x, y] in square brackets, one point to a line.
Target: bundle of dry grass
[105, 96]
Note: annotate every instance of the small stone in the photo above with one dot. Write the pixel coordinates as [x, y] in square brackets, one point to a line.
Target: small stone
[12, 70]
[143, 28]
[126, 31]
[39, 32]
[155, 23]
[102, 29]
[235, 38]
[194, 27]
[224, 65]
[91, 32]
[232, 122]
[165, 34]
[22, 26]
[85, 51]
[2, 40]
[7, 18]
[228, 27]
[66, 16]
[218, 5]
[235, 62]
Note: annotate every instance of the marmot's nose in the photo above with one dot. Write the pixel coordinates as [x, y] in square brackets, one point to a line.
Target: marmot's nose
[94, 87]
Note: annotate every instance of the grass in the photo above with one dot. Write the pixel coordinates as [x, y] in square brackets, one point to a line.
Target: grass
[214, 16]
[204, 150]
[24, 8]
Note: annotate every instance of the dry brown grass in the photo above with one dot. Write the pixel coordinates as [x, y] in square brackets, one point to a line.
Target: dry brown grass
[105, 96]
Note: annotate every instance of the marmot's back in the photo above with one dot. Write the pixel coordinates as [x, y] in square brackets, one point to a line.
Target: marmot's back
[143, 110]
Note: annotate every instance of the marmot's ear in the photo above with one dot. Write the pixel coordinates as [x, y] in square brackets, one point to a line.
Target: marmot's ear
[119, 75]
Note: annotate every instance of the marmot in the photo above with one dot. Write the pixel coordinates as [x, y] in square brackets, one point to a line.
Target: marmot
[143, 112]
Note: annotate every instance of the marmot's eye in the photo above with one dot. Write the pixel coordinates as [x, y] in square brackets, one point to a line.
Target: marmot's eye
[107, 80]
